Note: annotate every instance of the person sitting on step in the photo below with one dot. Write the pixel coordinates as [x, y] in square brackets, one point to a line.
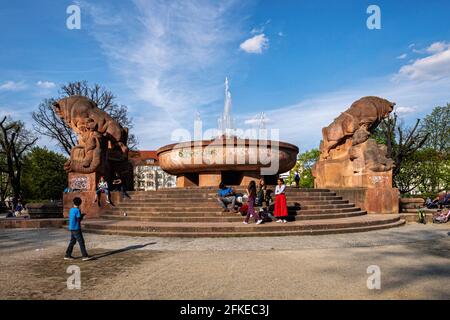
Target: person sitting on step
[102, 187]
[225, 196]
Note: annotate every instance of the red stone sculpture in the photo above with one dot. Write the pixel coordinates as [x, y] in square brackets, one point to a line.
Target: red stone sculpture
[356, 123]
[101, 139]
[352, 163]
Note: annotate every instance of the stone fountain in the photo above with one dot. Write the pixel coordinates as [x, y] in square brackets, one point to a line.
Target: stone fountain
[228, 158]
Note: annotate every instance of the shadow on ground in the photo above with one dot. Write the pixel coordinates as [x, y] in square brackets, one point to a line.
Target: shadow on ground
[129, 248]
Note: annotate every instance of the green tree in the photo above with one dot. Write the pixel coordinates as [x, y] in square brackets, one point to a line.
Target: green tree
[421, 152]
[44, 177]
[437, 126]
[303, 166]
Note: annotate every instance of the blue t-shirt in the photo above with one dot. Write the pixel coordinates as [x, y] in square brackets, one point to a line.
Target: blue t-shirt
[223, 192]
[74, 215]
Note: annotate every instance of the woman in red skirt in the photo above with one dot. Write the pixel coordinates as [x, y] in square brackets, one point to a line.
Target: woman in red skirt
[280, 211]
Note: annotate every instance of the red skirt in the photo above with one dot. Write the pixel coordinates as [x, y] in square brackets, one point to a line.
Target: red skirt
[280, 209]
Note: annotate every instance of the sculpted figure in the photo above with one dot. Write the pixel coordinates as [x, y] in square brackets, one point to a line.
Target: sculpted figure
[356, 122]
[374, 156]
[75, 110]
[98, 134]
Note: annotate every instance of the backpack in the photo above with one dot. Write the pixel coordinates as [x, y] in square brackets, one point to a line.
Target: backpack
[422, 216]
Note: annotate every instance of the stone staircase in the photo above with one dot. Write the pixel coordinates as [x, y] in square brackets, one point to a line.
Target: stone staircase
[194, 212]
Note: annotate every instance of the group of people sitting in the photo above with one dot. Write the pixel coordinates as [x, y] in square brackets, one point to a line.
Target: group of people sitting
[442, 200]
[256, 196]
[14, 207]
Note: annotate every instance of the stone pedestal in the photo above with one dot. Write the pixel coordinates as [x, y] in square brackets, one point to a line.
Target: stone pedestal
[371, 191]
[88, 207]
[207, 179]
[383, 200]
[249, 176]
[84, 186]
[187, 180]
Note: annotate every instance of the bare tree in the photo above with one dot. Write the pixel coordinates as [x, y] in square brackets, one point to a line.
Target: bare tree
[15, 141]
[4, 180]
[402, 142]
[48, 124]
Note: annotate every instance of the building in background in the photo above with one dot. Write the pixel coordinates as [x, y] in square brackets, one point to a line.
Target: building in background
[147, 174]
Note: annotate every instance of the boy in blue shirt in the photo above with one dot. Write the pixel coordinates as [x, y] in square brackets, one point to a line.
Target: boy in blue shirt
[75, 218]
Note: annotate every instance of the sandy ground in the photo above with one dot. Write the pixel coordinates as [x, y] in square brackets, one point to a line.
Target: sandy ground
[414, 262]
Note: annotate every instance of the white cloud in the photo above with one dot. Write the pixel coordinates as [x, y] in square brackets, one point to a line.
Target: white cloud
[301, 122]
[432, 67]
[256, 44]
[438, 47]
[261, 28]
[402, 56]
[401, 110]
[45, 84]
[173, 55]
[12, 86]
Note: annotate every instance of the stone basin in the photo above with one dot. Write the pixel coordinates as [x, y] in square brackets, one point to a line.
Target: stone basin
[234, 161]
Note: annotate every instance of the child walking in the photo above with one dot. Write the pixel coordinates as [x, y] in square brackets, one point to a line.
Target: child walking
[251, 191]
[280, 210]
[76, 235]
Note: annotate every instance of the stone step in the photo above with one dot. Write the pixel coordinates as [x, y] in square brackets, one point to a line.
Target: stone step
[214, 195]
[217, 212]
[161, 229]
[236, 227]
[214, 189]
[226, 218]
[215, 207]
[214, 203]
[248, 234]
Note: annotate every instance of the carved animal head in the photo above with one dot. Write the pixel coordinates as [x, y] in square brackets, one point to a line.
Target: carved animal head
[64, 107]
[383, 106]
[58, 109]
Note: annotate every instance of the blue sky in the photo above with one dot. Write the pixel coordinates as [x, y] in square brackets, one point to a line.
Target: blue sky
[300, 62]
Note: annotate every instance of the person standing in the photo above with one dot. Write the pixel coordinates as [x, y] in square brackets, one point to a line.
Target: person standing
[118, 185]
[76, 235]
[280, 210]
[297, 179]
[251, 192]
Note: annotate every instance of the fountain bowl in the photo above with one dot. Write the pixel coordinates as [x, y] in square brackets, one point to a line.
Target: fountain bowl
[233, 161]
